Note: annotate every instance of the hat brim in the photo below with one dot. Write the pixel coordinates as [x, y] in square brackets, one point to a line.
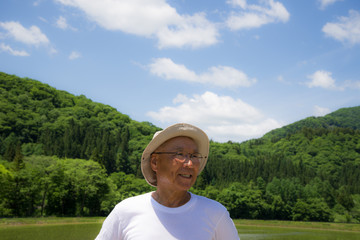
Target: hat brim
[176, 130]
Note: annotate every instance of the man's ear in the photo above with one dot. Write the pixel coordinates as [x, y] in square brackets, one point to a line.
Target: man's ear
[153, 163]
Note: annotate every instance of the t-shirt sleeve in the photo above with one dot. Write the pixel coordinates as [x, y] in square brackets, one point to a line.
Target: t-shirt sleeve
[225, 229]
[110, 228]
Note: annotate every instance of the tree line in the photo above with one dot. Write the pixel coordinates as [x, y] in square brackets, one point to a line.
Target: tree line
[50, 186]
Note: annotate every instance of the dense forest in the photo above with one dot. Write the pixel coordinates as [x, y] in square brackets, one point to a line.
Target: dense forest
[65, 155]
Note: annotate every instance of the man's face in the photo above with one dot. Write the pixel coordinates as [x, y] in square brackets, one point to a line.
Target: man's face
[172, 173]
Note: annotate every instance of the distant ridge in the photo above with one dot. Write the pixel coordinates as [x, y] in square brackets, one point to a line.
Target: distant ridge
[342, 118]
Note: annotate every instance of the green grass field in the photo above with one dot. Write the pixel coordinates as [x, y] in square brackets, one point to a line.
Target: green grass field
[303, 225]
[49, 220]
[238, 222]
[84, 228]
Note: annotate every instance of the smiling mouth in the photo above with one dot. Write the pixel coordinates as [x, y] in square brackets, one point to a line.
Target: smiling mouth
[185, 175]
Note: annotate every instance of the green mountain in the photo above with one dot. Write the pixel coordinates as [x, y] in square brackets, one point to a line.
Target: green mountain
[45, 121]
[342, 118]
[327, 147]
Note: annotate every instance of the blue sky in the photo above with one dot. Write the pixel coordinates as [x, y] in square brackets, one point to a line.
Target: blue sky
[235, 68]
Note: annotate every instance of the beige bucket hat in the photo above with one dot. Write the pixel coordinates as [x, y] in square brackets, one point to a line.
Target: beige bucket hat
[176, 130]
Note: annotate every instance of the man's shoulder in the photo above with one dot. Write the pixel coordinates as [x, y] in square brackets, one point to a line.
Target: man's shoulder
[209, 204]
[210, 209]
[135, 201]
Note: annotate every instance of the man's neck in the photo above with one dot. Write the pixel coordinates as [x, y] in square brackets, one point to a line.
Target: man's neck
[171, 199]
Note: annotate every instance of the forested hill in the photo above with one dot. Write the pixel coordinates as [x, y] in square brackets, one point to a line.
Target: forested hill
[327, 147]
[342, 118]
[62, 154]
[40, 120]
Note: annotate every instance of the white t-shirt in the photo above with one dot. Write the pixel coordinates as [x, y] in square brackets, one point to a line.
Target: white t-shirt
[142, 218]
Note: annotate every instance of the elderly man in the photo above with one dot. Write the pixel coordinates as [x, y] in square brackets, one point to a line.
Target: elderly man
[171, 162]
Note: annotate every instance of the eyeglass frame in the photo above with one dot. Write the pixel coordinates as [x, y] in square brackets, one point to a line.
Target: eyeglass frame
[191, 155]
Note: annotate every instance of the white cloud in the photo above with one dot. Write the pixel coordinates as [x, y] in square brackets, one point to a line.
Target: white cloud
[37, 3]
[8, 49]
[347, 29]
[74, 55]
[195, 31]
[238, 3]
[326, 3]
[151, 18]
[222, 76]
[322, 79]
[321, 111]
[30, 36]
[52, 51]
[43, 19]
[254, 16]
[222, 117]
[352, 84]
[61, 23]
[281, 79]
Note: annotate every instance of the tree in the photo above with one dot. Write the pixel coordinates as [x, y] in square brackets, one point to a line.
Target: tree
[344, 197]
[86, 180]
[6, 183]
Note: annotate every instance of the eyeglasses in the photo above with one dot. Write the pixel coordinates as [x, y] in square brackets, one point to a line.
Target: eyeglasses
[181, 156]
